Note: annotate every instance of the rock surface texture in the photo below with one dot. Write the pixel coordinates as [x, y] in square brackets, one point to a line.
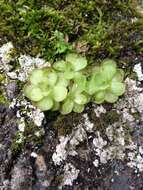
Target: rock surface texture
[99, 149]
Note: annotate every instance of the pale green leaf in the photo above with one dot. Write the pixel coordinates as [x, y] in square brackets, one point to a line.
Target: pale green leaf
[60, 65]
[119, 76]
[78, 108]
[52, 78]
[62, 81]
[59, 93]
[45, 104]
[81, 81]
[96, 84]
[108, 69]
[56, 106]
[45, 89]
[33, 93]
[111, 98]
[78, 62]
[69, 75]
[67, 107]
[117, 88]
[99, 97]
[80, 99]
[36, 76]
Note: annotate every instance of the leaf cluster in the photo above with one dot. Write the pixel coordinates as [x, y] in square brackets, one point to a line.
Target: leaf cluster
[65, 86]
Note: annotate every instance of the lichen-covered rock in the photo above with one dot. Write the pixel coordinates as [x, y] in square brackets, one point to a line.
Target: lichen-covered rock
[8, 128]
[21, 174]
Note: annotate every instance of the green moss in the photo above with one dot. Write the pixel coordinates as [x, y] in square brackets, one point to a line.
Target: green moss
[27, 139]
[3, 98]
[106, 26]
[18, 142]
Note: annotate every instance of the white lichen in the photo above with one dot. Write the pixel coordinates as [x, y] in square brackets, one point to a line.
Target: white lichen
[61, 153]
[27, 64]
[99, 142]
[96, 163]
[21, 124]
[5, 56]
[67, 145]
[99, 110]
[88, 125]
[136, 159]
[77, 136]
[70, 174]
[34, 154]
[31, 111]
[139, 72]
[37, 116]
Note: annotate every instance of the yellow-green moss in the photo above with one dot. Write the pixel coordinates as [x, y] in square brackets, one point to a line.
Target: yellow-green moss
[3, 98]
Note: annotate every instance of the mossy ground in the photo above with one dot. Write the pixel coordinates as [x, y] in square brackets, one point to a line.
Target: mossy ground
[51, 28]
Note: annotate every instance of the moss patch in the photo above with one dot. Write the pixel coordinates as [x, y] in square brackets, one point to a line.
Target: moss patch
[28, 140]
[106, 26]
[65, 124]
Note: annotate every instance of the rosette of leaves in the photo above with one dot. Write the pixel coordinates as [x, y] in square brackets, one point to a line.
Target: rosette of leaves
[71, 69]
[106, 83]
[52, 88]
[45, 89]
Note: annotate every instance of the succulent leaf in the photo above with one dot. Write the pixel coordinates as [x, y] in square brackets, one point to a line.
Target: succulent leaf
[67, 106]
[78, 62]
[52, 78]
[62, 81]
[96, 84]
[33, 92]
[36, 76]
[60, 65]
[117, 88]
[80, 99]
[78, 108]
[45, 104]
[119, 76]
[99, 97]
[111, 98]
[108, 69]
[59, 93]
[81, 81]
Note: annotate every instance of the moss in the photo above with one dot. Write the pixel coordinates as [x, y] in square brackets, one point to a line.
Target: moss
[3, 98]
[17, 143]
[110, 117]
[30, 134]
[1, 77]
[65, 124]
[28, 139]
[106, 26]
